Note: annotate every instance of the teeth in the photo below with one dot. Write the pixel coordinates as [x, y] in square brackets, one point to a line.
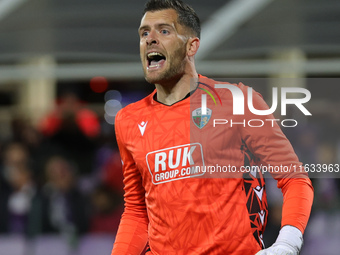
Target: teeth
[154, 54]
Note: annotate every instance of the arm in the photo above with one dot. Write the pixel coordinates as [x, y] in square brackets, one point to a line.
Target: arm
[271, 147]
[297, 202]
[132, 233]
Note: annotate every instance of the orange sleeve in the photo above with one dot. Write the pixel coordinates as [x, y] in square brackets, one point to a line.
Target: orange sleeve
[298, 196]
[271, 148]
[132, 233]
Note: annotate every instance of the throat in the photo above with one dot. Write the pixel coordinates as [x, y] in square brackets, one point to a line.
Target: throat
[164, 97]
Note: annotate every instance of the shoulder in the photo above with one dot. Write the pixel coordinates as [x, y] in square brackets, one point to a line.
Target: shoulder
[134, 109]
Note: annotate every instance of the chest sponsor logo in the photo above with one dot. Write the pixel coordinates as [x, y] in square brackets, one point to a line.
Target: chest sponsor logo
[175, 163]
[200, 119]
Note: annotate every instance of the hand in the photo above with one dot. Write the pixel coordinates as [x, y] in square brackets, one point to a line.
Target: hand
[289, 242]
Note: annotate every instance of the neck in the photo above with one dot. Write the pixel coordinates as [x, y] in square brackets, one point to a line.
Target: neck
[175, 90]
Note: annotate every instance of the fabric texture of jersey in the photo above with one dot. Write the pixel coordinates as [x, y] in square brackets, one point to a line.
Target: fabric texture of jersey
[181, 209]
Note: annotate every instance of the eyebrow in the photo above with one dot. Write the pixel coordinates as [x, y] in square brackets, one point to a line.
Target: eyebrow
[157, 25]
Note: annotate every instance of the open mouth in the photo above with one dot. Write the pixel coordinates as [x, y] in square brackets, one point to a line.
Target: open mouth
[155, 60]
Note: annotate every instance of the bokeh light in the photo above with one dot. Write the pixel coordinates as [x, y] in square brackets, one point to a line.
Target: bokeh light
[113, 94]
[99, 84]
[109, 119]
[111, 108]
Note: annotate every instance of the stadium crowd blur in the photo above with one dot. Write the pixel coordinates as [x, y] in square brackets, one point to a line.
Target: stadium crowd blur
[64, 176]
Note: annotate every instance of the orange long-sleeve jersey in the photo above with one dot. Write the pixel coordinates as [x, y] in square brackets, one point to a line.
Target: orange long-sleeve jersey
[186, 191]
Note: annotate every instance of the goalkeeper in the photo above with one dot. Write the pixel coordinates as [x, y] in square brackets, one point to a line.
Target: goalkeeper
[162, 135]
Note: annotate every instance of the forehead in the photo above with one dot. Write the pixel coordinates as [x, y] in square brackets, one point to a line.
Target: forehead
[168, 16]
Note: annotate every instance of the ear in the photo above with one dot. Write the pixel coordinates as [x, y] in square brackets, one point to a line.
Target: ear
[192, 46]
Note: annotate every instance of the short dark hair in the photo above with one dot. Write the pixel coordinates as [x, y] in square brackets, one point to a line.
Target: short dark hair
[186, 14]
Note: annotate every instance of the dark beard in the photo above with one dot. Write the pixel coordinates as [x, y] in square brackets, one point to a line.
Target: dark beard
[175, 71]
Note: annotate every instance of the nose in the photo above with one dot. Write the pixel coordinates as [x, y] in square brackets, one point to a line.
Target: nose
[151, 39]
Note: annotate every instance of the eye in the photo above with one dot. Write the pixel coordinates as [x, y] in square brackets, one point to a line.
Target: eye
[164, 32]
[144, 33]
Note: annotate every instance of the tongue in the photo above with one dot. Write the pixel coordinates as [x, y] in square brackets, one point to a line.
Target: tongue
[155, 62]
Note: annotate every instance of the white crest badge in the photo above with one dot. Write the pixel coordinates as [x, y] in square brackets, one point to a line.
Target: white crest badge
[199, 119]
